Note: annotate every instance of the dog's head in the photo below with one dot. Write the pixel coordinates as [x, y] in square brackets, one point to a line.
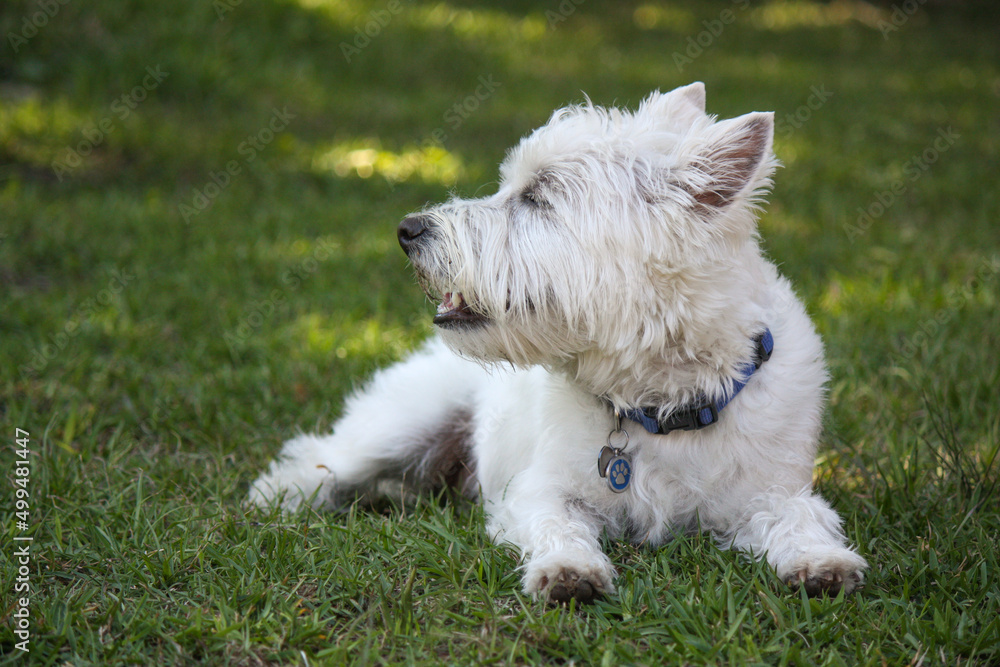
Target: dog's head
[612, 231]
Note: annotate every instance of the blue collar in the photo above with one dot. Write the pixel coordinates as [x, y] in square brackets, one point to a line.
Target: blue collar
[706, 412]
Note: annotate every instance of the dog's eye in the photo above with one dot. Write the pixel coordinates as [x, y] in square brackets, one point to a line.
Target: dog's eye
[531, 197]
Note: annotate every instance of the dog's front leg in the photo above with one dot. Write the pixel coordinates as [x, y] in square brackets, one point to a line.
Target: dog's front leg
[800, 536]
[558, 534]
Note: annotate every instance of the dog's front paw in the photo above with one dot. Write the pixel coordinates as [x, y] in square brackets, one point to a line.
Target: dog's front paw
[562, 577]
[826, 573]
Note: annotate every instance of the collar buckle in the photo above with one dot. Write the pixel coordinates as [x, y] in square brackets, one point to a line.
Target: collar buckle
[694, 418]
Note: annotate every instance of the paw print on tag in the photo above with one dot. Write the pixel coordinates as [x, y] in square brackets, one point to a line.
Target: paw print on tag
[619, 474]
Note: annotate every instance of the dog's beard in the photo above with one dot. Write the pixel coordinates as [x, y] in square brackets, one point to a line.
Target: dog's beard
[514, 321]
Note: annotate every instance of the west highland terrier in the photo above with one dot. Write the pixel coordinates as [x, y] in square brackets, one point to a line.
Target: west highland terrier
[614, 354]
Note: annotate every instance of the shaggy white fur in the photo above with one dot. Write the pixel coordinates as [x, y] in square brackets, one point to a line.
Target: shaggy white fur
[617, 265]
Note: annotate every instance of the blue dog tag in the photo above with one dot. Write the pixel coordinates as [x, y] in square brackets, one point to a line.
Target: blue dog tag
[612, 464]
[619, 473]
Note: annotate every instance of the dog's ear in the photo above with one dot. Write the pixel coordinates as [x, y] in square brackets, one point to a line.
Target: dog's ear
[693, 94]
[735, 158]
[680, 107]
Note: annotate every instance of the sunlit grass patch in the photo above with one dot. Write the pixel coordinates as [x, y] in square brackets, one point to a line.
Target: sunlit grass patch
[364, 159]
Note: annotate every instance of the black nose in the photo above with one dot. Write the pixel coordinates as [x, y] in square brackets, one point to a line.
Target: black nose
[410, 230]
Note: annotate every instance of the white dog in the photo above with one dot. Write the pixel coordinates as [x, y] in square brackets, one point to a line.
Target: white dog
[615, 355]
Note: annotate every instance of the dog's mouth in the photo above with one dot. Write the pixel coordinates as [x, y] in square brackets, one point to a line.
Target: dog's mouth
[454, 311]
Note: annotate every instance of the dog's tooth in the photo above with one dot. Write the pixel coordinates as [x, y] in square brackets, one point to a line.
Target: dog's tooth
[445, 304]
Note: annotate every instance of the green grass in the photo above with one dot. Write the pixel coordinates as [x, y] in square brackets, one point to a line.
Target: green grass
[158, 362]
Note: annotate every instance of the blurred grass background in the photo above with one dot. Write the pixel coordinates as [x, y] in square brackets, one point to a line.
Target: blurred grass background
[197, 257]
